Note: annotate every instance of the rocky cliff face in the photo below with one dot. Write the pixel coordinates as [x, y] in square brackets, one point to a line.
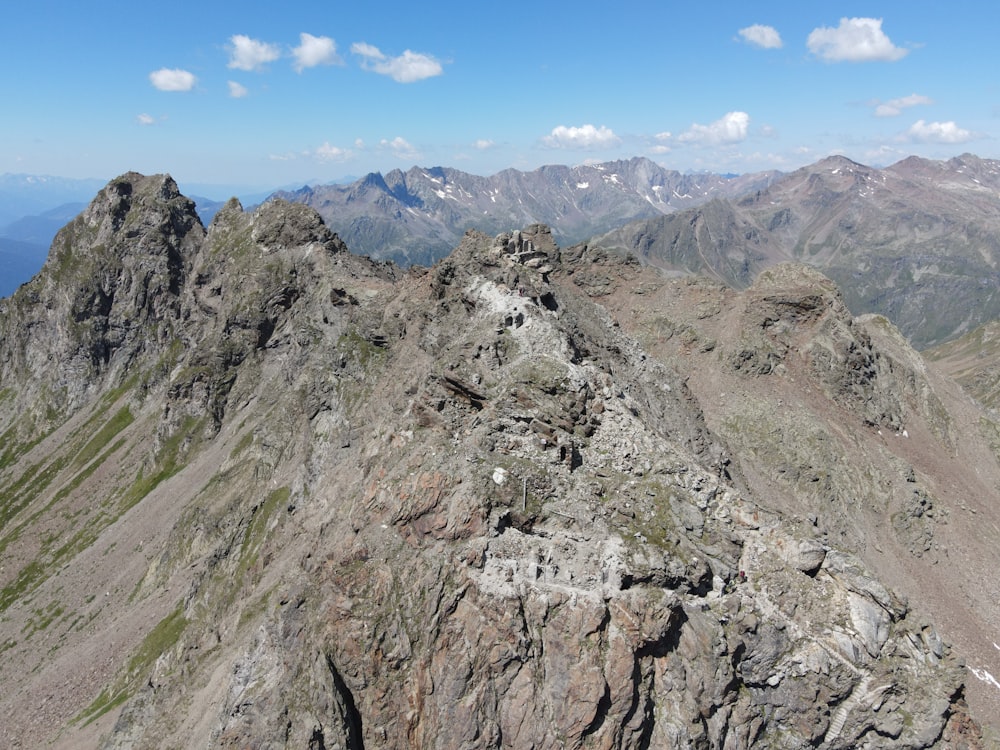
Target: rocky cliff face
[285, 496]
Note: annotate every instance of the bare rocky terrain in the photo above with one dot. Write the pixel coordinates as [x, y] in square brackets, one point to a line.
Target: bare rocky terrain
[256, 491]
[420, 215]
[915, 241]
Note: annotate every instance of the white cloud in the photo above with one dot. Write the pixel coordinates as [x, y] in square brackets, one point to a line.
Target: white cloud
[367, 50]
[327, 153]
[172, 79]
[484, 143]
[406, 68]
[758, 35]
[661, 149]
[359, 143]
[855, 40]
[236, 90]
[730, 128]
[895, 107]
[938, 132]
[145, 119]
[585, 136]
[251, 54]
[315, 50]
[400, 147]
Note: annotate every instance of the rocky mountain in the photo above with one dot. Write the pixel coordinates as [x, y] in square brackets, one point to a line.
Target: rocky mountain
[256, 491]
[916, 241]
[974, 361]
[418, 216]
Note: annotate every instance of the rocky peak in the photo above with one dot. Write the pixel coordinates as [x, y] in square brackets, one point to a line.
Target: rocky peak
[491, 503]
[109, 289]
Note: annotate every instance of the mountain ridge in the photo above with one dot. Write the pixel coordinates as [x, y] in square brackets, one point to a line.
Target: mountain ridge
[531, 495]
[915, 241]
[419, 215]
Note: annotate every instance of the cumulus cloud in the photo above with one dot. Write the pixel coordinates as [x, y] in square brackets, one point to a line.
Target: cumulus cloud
[236, 90]
[483, 144]
[855, 40]
[732, 127]
[145, 119]
[399, 147]
[329, 153]
[583, 137]
[172, 79]
[315, 50]
[938, 132]
[766, 37]
[250, 54]
[895, 107]
[405, 68]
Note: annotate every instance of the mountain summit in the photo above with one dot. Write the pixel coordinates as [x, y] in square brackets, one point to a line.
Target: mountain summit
[257, 491]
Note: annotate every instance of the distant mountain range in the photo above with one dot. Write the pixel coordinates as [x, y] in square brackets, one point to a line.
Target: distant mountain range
[413, 217]
[419, 215]
[918, 242]
[31, 195]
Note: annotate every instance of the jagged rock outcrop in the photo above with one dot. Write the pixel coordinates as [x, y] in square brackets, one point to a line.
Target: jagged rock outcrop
[328, 503]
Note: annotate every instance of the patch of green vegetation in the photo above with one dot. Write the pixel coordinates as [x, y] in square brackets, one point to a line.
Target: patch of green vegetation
[169, 462]
[355, 346]
[160, 639]
[41, 619]
[103, 703]
[116, 424]
[6, 394]
[253, 539]
[17, 496]
[12, 447]
[29, 576]
[245, 442]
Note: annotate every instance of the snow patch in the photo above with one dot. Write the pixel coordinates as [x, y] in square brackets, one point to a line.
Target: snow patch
[983, 676]
[582, 185]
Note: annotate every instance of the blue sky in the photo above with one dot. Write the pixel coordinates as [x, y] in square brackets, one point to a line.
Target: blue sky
[268, 94]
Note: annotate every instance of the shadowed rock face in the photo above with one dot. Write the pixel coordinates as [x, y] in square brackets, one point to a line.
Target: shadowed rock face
[309, 500]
